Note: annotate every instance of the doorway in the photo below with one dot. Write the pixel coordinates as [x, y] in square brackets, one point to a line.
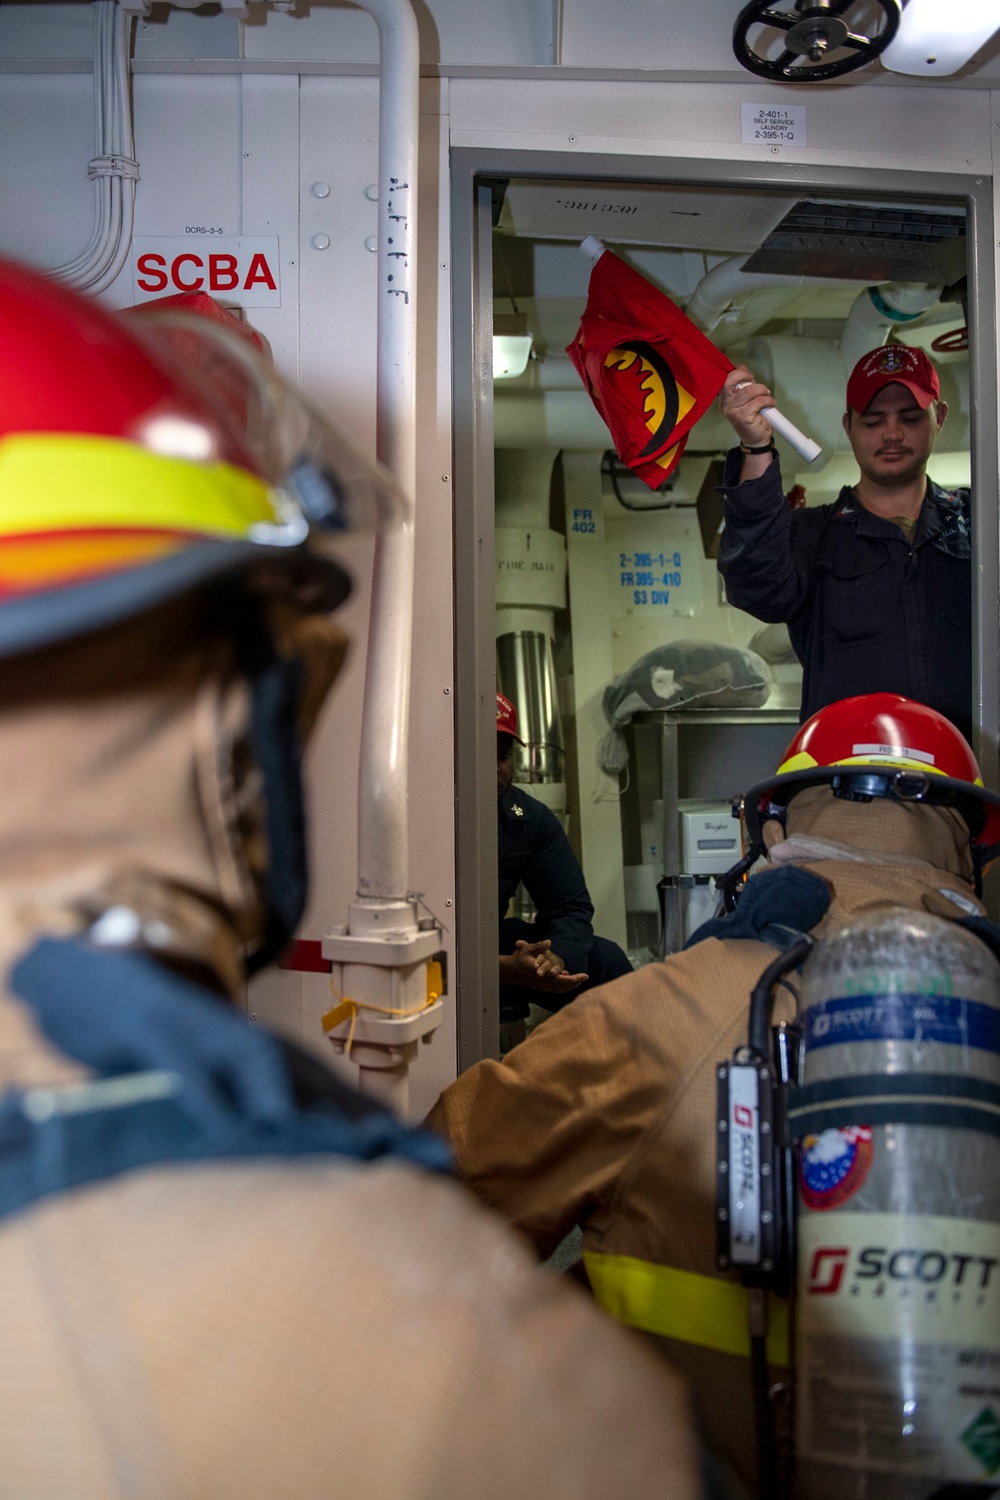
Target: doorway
[534, 468]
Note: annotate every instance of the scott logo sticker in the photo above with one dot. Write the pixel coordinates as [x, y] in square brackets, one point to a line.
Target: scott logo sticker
[827, 1271]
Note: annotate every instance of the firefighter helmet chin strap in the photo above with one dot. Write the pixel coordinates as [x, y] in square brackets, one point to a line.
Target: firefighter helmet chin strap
[275, 694]
[276, 684]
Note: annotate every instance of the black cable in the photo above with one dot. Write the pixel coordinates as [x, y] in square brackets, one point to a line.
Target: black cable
[758, 1037]
[761, 994]
[767, 1449]
[733, 877]
[786, 984]
[970, 1491]
[610, 464]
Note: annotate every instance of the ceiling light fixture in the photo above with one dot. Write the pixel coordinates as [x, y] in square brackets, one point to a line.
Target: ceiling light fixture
[938, 37]
[512, 345]
[512, 341]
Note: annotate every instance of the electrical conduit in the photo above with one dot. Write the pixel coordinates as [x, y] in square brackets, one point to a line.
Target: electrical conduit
[113, 169]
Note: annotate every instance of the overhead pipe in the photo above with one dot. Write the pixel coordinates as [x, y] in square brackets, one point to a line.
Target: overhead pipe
[554, 372]
[878, 311]
[720, 286]
[549, 419]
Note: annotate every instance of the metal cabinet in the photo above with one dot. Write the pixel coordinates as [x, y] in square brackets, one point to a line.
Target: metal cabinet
[708, 753]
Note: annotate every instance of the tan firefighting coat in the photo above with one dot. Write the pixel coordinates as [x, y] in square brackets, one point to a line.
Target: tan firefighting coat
[605, 1116]
[307, 1330]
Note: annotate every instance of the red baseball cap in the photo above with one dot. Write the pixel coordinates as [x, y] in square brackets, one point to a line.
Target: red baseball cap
[507, 718]
[892, 364]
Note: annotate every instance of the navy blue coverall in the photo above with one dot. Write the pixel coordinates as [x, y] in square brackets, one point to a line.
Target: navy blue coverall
[534, 851]
[867, 611]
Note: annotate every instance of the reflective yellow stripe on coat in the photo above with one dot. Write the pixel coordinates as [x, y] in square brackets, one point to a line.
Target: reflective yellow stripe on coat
[682, 1305]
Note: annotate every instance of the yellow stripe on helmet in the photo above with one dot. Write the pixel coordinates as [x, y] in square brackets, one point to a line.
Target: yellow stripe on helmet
[803, 761]
[59, 483]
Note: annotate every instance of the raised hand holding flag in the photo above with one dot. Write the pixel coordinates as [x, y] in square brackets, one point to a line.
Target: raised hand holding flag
[651, 373]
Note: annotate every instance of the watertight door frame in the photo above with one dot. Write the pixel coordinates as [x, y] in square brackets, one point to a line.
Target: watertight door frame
[472, 169]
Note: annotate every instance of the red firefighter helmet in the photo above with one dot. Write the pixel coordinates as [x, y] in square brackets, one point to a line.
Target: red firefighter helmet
[205, 306]
[141, 457]
[882, 745]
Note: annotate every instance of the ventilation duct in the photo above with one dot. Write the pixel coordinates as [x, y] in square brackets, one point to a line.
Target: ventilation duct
[865, 242]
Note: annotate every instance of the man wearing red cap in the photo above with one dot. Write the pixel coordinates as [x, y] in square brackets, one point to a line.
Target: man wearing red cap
[876, 588]
[546, 960]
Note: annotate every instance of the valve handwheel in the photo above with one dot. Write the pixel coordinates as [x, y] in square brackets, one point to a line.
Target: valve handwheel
[814, 30]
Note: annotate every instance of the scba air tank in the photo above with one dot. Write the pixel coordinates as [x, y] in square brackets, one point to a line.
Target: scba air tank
[898, 1280]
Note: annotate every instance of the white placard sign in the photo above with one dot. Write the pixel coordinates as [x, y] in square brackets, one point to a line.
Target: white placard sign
[243, 272]
[774, 124]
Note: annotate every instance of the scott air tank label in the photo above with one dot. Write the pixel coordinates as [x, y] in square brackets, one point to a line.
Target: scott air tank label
[916, 1018]
[899, 1322]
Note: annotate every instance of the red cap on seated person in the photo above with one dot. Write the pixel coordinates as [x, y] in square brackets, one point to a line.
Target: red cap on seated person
[892, 364]
[507, 718]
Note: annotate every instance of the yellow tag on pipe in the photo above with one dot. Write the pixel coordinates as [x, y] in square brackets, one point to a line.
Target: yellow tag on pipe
[342, 1012]
[435, 981]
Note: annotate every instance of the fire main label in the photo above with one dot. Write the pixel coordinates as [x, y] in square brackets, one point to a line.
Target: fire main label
[899, 1343]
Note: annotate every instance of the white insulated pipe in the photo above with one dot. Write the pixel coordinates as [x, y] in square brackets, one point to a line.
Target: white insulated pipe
[878, 310]
[719, 287]
[521, 483]
[383, 855]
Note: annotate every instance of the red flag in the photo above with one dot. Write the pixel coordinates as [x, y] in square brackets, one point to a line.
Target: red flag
[650, 372]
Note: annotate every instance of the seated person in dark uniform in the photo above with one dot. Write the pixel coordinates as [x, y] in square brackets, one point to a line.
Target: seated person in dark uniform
[547, 960]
